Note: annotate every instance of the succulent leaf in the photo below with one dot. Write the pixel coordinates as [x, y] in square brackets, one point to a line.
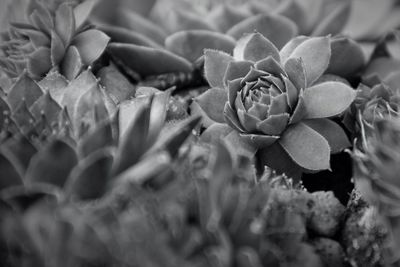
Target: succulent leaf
[255, 47]
[306, 147]
[190, 44]
[90, 44]
[212, 103]
[149, 61]
[215, 64]
[9, 175]
[52, 164]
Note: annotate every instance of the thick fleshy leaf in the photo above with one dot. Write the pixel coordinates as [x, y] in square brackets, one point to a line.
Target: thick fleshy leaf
[248, 121]
[47, 106]
[90, 44]
[191, 44]
[315, 53]
[23, 118]
[332, 132]
[9, 174]
[255, 47]
[215, 65]
[173, 140]
[212, 102]
[231, 118]
[124, 35]
[238, 145]
[82, 12]
[225, 16]
[54, 83]
[327, 99]
[57, 49]
[137, 23]
[39, 62]
[296, 72]
[89, 109]
[100, 137]
[259, 140]
[89, 179]
[158, 115]
[382, 67]
[24, 88]
[306, 147]
[117, 86]
[270, 65]
[52, 164]
[236, 70]
[342, 49]
[274, 124]
[297, 13]
[335, 21]
[65, 23]
[179, 20]
[149, 61]
[278, 29]
[21, 149]
[133, 143]
[72, 63]
[290, 46]
[215, 133]
[83, 83]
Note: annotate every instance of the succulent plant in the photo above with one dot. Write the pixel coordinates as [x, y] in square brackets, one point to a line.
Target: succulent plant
[276, 103]
[377, 164]
[102, 157]
[383, 66]
[371, 104]
[54, 36]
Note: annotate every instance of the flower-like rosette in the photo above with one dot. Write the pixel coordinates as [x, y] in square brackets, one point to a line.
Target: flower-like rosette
[277, 102]
[55, 35]
[259, 104]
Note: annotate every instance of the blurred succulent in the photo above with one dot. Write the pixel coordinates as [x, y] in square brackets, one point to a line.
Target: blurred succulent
[276, 103]
[151, 29]
[384, 64]
[54, 36]
[113, 152]
[371, 104]
[377, 168]
[53, 106]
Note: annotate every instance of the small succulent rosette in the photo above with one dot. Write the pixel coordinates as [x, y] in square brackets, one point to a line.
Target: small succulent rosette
[371, 104]
[276, 104]
[377, 169]
[54, 36]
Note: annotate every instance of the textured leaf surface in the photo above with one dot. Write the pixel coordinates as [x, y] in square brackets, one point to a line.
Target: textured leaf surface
[278, 29]
[72, 63]
[332, 132]
[215, 65]
[149, 61]
[327, 99]
[306, 147]
[191, 44]
[255, 47]
[212, 102]
[24, 88]
[315, 53]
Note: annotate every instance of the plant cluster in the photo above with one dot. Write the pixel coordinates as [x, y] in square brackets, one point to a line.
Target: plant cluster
[187, 133]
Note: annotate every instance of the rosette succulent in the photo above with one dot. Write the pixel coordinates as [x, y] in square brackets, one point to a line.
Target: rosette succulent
[118, 150]
[377, 172]
[371, 104]
[276, 103]
[54, 36]
[179, 31]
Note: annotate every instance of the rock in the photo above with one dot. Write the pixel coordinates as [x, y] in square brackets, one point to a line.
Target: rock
[326, 214]
[330, 251]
